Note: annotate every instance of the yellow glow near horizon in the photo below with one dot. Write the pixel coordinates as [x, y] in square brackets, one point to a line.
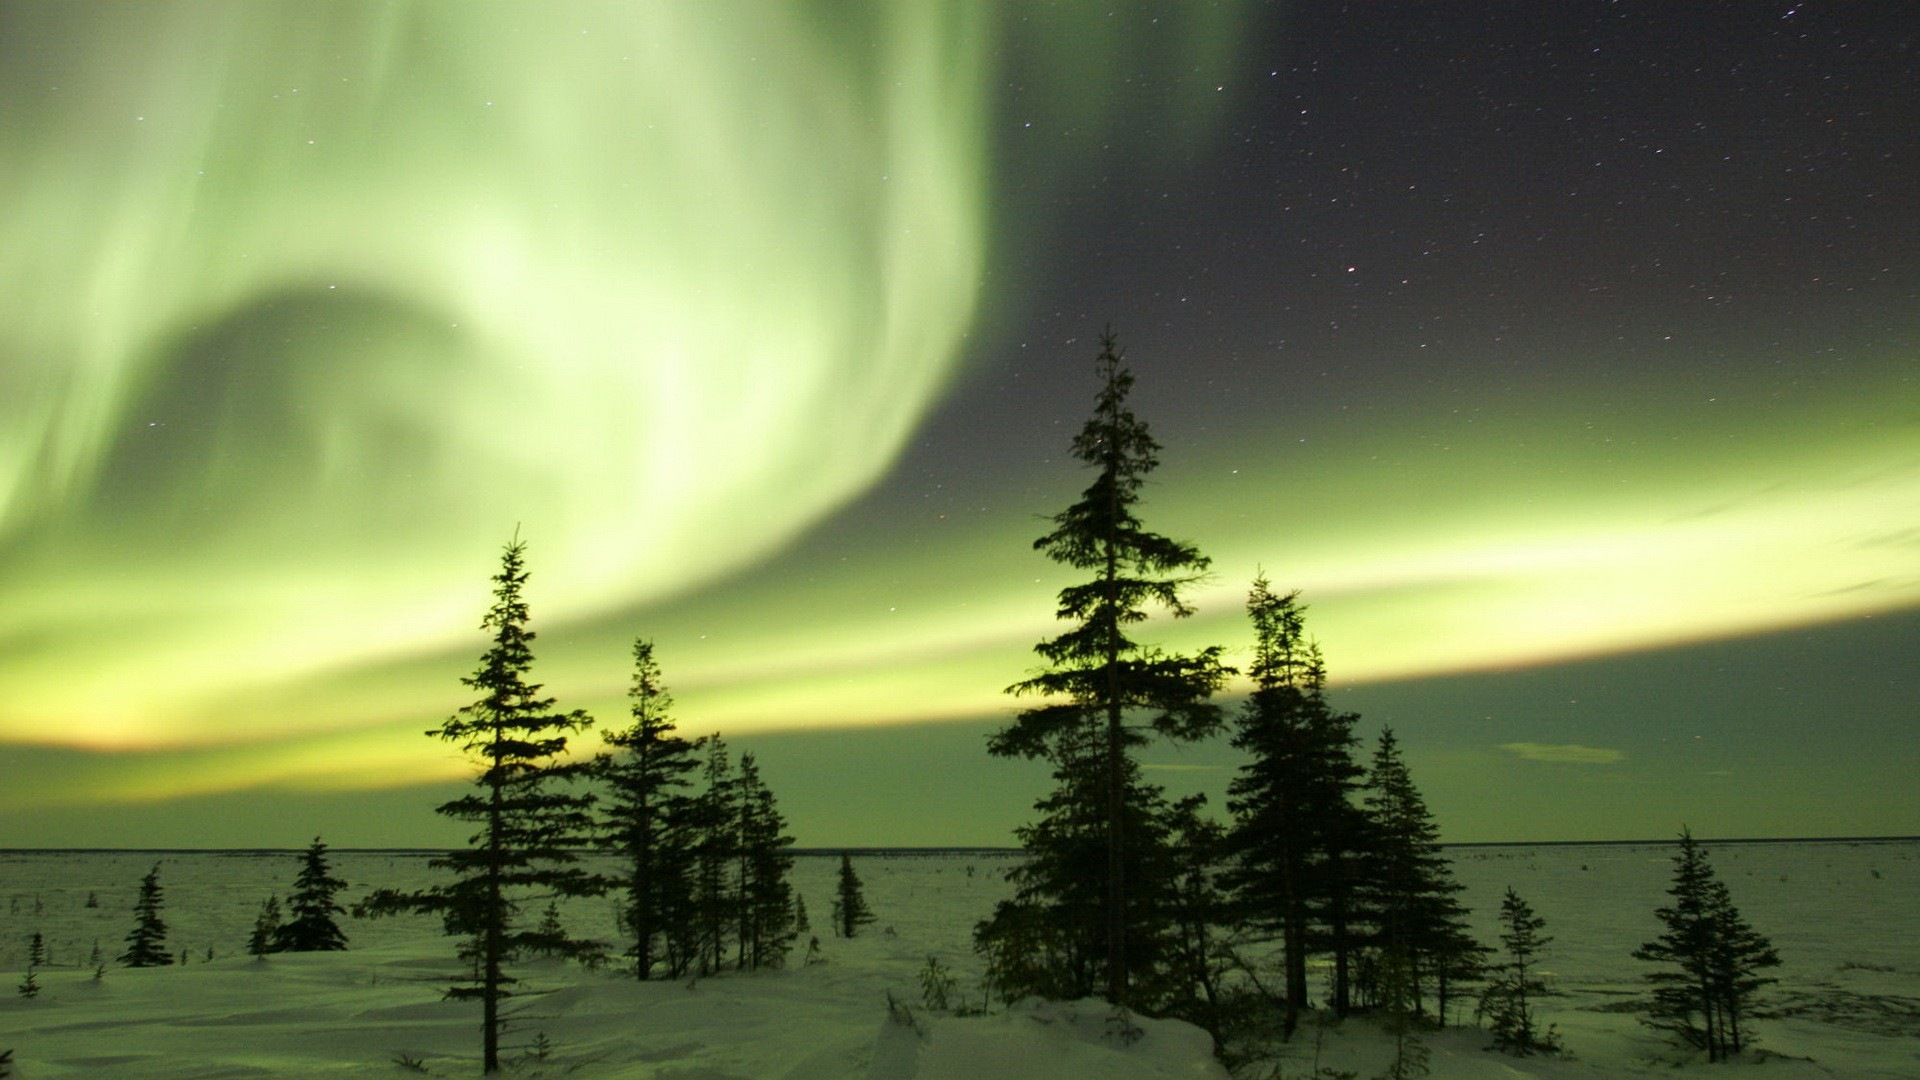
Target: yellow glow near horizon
[313, 306]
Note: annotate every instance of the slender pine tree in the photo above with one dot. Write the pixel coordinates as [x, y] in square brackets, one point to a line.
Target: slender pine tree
[765, 896]
[1296, 831]
[1410, 889]
[312, 928]
[1507, 1001]
[647, 780]
[1098, 680]
[147, 943]
[850, 911]
[527, 830]
[265, 926]
[1715, 956]
[712, 828]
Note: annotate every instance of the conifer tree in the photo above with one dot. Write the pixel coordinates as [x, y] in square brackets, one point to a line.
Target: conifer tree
[527, 831]
[1410, 887]
[312, 928]
[1296, 831]
[647, 782]
[1098, 681]
[765, 899]
[147, 943]
[266, 926]
[850, 911]
[1717, 956]
[1507, 1000]
[712, 826]
[1198, 909]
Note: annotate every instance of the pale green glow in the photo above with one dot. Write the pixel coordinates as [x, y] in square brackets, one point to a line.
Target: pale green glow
[663, 282]
[664, 285]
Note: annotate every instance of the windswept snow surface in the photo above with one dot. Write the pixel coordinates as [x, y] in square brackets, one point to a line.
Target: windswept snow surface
[1843, 915]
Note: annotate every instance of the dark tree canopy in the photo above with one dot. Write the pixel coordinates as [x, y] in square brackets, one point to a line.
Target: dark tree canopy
[1711, 960]
[647, 780]
[1296, 835]
[526, 831]
[1410, 892]
[312, 928]
[1507, 1001]
[1104, 693]
[850, 910]
[147, 942]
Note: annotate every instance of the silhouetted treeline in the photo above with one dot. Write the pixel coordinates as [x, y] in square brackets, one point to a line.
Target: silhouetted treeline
[1158, 907]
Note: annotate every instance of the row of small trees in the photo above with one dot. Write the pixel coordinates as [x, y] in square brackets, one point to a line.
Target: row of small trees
[703, 884]
[1148, 903]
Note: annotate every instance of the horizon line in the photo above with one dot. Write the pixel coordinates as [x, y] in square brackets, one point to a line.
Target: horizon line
[956, 849]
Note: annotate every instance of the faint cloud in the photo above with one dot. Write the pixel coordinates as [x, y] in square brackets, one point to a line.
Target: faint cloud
[1565, 754]
[1183, 768]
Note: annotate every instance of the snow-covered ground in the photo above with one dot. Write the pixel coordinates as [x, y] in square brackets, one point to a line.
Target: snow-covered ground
[1843, 914]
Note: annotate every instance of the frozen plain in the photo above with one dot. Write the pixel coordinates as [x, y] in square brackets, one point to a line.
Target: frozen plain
[1845, 916]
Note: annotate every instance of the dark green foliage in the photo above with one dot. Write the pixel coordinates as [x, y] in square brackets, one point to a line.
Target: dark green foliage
[526, 831]
[312, 928]
[644, 812]
[1296, 832]
[36, 959]
[147, 943]
[1409, 890]
[1715, 957]
[765, 899]
[1106, 693]
[1196, 908]
[801, 924]
[1050, 939]
[726, 886]
[266, 926]
[1507, 1001]
[710, 824]
[850, 911]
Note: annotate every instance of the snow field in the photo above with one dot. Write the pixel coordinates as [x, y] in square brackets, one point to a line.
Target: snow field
[1842, 914]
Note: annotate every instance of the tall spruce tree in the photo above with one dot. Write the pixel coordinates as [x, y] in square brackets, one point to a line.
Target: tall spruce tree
[647, 780]
[765, 898]
[1410, 888]
[1098, 681]
[711, 824]
[1715, 956]
[1296, 830]
[312, 928]
[147, 942]
[527, 829]
[850, 911]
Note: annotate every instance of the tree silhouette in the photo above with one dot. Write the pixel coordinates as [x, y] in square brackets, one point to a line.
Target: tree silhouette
[147, 943]
[1410, 887]
[1098, 679]
[647, 780]
[1294, 865]
[1716, 954]
[312, 928]
[527, 832]
[1507, 1000]
[850, 911]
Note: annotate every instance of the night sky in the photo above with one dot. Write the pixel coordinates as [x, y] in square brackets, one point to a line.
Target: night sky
[1566, 357]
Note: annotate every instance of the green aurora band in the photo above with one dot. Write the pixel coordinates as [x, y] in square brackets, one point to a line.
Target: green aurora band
[317, 303]
[311, 306]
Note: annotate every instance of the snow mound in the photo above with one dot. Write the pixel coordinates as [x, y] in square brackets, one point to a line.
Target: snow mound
[1042, 1040]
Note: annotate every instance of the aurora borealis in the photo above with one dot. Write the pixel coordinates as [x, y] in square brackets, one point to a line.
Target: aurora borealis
[1566, 363]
